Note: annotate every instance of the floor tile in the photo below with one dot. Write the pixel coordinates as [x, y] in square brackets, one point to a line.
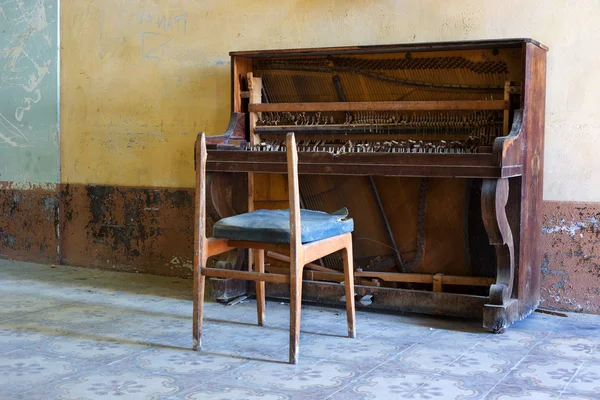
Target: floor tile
[369, 350]
[88, 349]
[564, 346]
[73, 333]
[579, 396]
[506, 392]
[22, 370]
[444, 338]
[543, 373]
[595, 354]
[81, 315]
[108, 384]
[538, 322]
[586, 380]
[147, 328]
[13, 337]
[310, 379]
[382, 384]
[580, 327]
[482, 365]
[424, 358]
[521, 341]
[16, 305]
[232, 391]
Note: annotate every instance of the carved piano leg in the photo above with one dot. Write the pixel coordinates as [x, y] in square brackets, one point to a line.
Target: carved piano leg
[502, 310]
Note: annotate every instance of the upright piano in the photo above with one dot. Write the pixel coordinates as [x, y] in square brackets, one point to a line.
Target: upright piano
[436, 149]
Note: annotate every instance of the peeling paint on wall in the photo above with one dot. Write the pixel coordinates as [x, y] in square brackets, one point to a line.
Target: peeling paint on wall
[29, 224]
[131, 229]
[571, 256]
[28, 91]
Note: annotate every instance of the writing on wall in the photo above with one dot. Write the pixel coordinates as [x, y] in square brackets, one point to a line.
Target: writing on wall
[28, 91]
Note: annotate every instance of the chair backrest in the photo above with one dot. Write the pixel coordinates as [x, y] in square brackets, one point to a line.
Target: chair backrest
[200, 156]
[294, 194]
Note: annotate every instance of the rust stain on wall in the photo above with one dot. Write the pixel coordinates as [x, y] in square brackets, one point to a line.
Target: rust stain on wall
[128, 228]
[28, 224]
[571, 256]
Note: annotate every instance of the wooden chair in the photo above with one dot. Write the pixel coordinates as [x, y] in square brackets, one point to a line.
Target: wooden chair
[304, 235]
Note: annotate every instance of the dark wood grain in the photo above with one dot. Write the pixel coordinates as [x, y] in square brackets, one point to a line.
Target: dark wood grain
[389, 299]
[441, 159]
[200, 245]
[494, 197]
[382, 106]
[233, 134]
[534, 97]
[440, 171]
[394, 48]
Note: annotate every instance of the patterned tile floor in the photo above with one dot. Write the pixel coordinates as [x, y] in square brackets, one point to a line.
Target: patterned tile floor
[74, 333]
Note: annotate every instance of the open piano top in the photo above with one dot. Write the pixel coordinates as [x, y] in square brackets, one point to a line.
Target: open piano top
[406, 110]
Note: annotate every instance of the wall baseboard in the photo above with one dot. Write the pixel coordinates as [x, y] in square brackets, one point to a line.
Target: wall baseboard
[29, 229]
[150, 230]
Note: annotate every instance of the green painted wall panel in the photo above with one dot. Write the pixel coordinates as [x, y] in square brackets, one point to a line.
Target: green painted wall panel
[28, 91]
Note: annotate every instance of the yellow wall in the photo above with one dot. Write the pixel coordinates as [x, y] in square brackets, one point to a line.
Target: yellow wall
[139, 78]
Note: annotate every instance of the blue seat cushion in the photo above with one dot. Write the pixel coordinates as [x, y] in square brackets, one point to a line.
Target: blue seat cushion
[273, 226]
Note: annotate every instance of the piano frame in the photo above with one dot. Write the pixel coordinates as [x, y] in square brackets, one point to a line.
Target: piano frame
[511, 174]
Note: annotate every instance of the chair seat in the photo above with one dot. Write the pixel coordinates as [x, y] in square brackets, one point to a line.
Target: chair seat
[273, 226]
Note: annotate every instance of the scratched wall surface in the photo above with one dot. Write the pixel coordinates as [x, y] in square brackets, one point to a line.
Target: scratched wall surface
[571, 256]
[145, 76]
[28, 91]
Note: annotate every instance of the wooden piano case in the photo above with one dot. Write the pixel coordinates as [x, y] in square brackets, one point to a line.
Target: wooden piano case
[435, 148]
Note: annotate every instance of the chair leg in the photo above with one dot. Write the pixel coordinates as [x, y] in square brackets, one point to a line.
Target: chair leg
[198, 313]
[349, 283]
[259, 264]
[295, 307]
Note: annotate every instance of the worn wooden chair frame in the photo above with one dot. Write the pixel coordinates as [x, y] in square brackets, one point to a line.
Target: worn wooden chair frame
[300, 255]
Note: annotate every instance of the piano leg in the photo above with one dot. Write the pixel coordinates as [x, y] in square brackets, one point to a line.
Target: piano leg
[502, 309]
